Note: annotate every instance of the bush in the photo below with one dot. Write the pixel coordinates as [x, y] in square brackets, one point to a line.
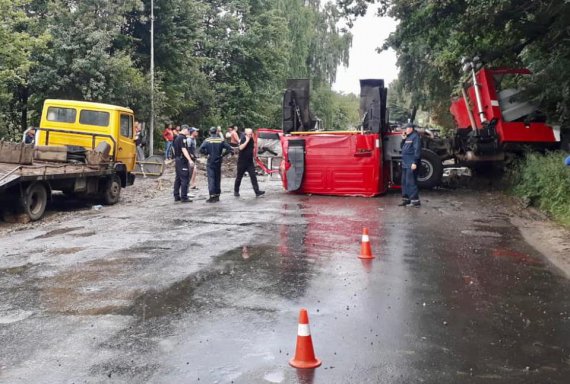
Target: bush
[544, 181]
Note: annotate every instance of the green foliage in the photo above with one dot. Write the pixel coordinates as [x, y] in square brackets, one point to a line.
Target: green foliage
[433, 35]
[545, 181]
[216, 62]
[338, 112]
[21, 38]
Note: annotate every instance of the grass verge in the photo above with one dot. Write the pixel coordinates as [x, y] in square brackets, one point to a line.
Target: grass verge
[544, 182]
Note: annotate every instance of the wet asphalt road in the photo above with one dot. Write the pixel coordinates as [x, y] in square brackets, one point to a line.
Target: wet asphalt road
[136, 293]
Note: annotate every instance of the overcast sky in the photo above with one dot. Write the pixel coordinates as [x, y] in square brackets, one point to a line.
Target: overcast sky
[369, 33]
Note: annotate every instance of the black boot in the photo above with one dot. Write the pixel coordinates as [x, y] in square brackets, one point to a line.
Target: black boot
[405, 203]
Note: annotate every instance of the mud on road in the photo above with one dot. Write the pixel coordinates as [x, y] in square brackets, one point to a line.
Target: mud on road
[149, 291]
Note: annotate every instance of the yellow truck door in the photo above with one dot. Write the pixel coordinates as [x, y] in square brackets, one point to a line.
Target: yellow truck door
[126, 148]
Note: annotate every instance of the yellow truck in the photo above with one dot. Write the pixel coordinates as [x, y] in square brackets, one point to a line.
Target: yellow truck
[81, 148]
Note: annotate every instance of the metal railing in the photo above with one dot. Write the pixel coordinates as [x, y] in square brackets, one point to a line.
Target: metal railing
[93, 137]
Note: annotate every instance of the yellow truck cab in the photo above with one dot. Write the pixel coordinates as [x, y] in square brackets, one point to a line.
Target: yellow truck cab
[85, 124]
[82, 149]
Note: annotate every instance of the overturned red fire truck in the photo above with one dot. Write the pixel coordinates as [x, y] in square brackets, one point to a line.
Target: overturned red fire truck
[491, 123]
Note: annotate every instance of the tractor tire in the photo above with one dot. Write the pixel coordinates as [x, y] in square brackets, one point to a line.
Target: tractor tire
[112, 190]
[430, 171]
[34, 201]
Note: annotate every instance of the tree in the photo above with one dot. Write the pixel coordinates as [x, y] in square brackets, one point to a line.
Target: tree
[432, 36]
[83, 60]
[21, 38]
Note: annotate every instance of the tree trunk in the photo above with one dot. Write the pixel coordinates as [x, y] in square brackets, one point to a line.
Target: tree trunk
[24, 108]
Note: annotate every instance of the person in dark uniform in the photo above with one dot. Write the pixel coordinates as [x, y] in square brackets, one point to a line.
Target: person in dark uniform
[184, 166]
[245, 163]
[214, 147]
[411, 157]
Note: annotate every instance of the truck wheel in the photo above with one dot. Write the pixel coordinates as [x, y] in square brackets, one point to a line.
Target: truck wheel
[430, 171]
[112, 190]
[34, 201]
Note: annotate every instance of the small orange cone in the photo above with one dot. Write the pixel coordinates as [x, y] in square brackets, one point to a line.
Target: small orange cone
[304, 353]
[365, 250]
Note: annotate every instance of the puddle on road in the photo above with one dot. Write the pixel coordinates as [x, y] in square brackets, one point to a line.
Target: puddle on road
[470, 232]
[274, 377]
[92, 289]
[56, 232]
[13, 316]
[66, 251]
[248, 276]
[16, 270]
[84, 234]
[515, 256]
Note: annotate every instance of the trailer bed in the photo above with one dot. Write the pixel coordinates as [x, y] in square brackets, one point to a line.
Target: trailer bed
[10, 174]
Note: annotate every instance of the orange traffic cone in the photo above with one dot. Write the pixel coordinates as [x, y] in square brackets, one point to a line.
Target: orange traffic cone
[304, 353]
[365, 250]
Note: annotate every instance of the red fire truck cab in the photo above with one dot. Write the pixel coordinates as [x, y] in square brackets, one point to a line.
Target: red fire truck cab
[493, 118]
[363, 162]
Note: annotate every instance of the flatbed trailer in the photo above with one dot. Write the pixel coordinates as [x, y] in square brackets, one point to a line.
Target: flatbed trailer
[27, 188]
[14, 174]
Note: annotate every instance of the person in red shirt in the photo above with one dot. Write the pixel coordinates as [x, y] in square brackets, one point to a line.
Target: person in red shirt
[168, 137]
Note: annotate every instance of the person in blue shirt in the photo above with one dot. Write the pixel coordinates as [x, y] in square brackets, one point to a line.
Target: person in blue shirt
[567, 161]
[30, 136]
[216, 148]
[411, 158]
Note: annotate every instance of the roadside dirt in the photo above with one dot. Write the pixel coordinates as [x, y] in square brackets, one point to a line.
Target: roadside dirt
[544, 235]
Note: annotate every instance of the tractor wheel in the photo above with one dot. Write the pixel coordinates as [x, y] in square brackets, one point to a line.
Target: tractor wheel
[112, 190]
[430, 170]
[34, 201]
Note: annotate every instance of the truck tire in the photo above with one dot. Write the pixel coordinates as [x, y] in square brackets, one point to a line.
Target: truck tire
[112, 190]
[430, 171]
[34, 201]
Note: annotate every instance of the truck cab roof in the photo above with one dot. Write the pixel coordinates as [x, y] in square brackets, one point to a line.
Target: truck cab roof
[86, 104]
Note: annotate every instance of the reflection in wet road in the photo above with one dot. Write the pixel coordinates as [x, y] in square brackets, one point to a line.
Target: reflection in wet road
[453, 295]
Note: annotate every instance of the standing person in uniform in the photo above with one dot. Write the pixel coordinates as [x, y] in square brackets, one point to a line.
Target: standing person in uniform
[245, 163]
[411, 157]
[168, 136]
[214, 147]
[184, 165]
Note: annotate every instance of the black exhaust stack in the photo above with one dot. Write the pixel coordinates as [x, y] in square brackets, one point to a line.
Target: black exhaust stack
[296, 113]
[373, 98]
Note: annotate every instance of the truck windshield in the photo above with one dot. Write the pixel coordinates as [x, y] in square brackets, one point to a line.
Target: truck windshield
[514, 102]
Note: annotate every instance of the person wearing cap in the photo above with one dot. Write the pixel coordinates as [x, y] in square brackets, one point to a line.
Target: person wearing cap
[215, 148]
[411, 156]
[245, 163]
[183, 164]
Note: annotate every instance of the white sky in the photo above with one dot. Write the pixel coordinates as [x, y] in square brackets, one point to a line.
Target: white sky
[369, 33]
